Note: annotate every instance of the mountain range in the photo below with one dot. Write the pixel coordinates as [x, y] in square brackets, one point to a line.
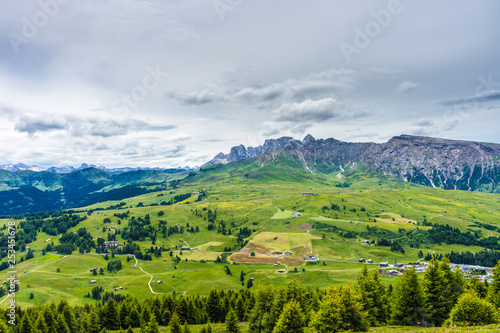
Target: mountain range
[69, 168]
[434, 162]
[443, 163]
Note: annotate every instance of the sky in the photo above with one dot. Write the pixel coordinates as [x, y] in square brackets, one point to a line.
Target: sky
[167, 83]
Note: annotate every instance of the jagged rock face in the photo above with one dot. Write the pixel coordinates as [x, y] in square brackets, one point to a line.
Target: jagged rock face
[448, 164]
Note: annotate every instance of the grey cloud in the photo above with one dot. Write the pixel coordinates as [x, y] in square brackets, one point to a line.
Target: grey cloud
[113, 127]
[268, 93]
[195, 98]
[487, 96]
[316, 111]
[429, 127]
[310, 86]
[35, 124]
[300, 128]
[406, 87]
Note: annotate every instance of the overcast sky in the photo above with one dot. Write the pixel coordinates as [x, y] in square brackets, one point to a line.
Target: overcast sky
[173, 82]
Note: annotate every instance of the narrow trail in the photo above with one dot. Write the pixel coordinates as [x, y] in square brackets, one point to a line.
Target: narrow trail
[151, 277]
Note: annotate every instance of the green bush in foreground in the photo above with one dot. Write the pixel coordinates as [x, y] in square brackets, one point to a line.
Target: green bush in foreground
[472, 310]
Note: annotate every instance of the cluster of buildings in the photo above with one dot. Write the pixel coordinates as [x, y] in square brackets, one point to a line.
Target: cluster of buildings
[288, 253]
[467, 271]
[113, 244]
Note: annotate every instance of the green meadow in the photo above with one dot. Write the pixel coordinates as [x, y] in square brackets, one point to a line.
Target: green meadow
[261, 199]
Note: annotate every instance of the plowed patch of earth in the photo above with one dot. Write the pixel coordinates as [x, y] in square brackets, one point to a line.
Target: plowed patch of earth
[303, 226]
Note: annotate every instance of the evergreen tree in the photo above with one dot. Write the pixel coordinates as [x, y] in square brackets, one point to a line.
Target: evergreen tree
[146, 315]
[40, 324]
[291, 319]
[434, 291]
[408, 300]
[153, 326]
[478, 287]
[175, 324]
[213, 307]
[374, 297]
[61, 325]
[232, 322]
[454, 282]
[26, 326]
[134, 319]
[94, 322]
[165, 317]
[110, 315]
[240, 308]
[123, 311]
[494, 289]
[260, 312]
[340, 310]
[4, 328]
[70, 319]
[50, 319]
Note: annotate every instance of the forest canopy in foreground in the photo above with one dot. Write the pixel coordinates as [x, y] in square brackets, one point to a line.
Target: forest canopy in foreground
[440, 297]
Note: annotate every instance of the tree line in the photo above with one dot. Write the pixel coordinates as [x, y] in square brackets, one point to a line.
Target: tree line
[438, 297]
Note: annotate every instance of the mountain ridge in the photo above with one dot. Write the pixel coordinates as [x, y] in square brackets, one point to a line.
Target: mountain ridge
[70, 168]
[436, 162]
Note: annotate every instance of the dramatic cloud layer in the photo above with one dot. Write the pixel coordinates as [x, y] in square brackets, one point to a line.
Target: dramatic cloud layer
[172, 83]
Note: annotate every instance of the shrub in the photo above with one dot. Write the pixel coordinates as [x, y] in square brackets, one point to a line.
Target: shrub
[473, 310]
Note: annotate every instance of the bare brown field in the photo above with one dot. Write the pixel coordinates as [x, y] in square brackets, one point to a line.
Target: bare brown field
[303, 226]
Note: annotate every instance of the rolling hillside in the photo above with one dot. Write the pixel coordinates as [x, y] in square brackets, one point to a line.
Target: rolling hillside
[239, 216]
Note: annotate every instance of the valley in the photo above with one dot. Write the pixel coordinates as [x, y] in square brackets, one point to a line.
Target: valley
[235, 218]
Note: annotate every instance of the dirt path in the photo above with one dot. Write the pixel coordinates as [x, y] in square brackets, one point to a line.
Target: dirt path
[151, 277]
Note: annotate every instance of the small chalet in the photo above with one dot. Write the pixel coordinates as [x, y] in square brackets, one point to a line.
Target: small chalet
[311, 257]
[114, 244]
[384, 264]
[288, 253]
[295, 214]
[306, 194]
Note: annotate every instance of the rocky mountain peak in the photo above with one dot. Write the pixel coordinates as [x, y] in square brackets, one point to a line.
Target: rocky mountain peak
[308, 138]
[449, 164]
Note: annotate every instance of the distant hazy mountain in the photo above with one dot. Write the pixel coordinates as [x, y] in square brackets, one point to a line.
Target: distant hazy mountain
[24, 191]
[449, 164]
[19, 167]
[68, 169]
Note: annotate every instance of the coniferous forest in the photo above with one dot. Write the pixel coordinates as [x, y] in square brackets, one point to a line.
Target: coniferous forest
[438, 297]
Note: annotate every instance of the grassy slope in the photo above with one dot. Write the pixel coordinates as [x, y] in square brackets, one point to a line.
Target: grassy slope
[254, 198]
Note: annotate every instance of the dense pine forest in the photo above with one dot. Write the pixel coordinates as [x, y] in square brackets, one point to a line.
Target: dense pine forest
[438, 297]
